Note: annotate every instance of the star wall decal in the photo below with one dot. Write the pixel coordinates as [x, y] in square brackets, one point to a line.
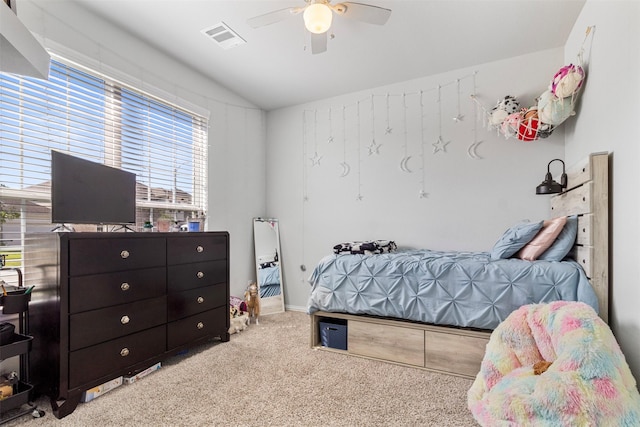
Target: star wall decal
[440, 145]
[315, 160]
[374, 148]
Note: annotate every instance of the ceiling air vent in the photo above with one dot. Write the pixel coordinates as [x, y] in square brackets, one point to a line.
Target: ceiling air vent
[224, 36]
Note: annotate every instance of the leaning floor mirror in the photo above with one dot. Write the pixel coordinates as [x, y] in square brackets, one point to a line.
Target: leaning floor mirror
[266, 237]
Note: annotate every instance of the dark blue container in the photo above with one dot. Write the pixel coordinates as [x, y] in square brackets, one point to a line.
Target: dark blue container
[333, 333]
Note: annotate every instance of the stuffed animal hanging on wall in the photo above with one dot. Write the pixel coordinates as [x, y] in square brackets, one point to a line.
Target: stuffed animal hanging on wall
[252, 297]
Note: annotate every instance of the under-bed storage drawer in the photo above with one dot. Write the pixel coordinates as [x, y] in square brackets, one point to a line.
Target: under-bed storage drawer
[402, 345]
[469, 351]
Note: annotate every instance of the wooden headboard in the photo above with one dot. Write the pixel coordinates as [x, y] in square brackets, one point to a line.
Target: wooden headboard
[587, 195]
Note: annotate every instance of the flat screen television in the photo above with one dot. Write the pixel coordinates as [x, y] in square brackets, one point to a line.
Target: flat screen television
[86, 192]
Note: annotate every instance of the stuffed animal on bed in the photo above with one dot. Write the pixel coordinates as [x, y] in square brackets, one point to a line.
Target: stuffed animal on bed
[252, 298]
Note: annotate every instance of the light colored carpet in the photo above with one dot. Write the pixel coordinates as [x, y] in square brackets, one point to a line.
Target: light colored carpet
[268, 375]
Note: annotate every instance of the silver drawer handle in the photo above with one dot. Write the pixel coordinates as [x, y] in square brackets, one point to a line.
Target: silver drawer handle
[200, 325]
[124, 320]
[124, 352]
[124, 286]
[200, 274]
[200, 300]
[199, 248]
[124, 254]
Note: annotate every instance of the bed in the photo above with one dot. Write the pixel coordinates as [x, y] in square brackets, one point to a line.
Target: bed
[436, 310]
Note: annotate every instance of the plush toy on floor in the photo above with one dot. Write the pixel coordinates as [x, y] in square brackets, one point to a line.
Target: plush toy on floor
[239, 320]
[252, 297]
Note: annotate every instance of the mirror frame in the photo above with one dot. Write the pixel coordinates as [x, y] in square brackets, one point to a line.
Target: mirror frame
[272, 304]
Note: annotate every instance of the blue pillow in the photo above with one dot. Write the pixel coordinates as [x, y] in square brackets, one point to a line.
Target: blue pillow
[564, 242]
[514, 239]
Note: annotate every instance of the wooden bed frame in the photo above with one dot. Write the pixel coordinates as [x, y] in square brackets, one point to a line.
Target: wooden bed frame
[459, 351]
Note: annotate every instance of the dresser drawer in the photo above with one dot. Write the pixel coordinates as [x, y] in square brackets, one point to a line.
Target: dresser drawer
[92, 256]
[196, 247]
[210, 323]
[186, 303]
[93, 327]
[114, 356]
[189, 276]
[108, 289]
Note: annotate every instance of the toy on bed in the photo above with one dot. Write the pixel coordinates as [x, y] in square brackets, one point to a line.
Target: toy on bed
[252, 298]
[554, 364]
[369, 247]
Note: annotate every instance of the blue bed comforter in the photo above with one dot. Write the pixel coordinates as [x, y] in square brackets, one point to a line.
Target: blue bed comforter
[465, 289]
[269, 281]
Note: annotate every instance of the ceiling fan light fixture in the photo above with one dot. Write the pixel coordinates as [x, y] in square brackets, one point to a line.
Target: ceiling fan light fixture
[317, 18]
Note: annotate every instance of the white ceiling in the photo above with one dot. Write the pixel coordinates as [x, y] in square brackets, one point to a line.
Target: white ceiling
[275, 68]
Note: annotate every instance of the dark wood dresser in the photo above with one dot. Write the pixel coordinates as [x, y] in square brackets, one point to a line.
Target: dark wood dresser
[112, 304]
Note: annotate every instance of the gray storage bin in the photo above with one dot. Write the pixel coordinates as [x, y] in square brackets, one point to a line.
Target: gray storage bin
[333, 333]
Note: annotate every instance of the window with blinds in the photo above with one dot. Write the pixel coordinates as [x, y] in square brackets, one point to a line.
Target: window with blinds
[81, 113]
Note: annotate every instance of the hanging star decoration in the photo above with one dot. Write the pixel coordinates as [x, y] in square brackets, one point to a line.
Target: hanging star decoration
[423, 194]
[440, 145]
[459, 117]
[388, 130]
[374, 147]
[315, 160]
[359, 197]
[330, 139]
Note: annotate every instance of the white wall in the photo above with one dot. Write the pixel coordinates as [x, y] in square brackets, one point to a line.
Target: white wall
[236, 134]
[608, 121]
[470, 201]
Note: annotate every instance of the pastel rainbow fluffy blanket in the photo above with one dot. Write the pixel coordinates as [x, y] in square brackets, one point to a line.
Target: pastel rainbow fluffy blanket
[588, 383]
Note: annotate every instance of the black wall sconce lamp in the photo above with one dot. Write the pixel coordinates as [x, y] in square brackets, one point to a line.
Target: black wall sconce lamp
[549, 186]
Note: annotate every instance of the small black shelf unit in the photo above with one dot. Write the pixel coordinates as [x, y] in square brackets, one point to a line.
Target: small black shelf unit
[16, 301]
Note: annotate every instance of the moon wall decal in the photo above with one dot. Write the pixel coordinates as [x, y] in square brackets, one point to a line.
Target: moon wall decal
[345, 169]
[472, 150]
[404, 164]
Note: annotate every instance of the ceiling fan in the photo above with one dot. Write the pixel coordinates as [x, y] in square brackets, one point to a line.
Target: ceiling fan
[318, 15]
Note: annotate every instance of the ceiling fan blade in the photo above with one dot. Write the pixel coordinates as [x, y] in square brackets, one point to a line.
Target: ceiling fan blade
[273, 17]
[363, 12]
[318, 43]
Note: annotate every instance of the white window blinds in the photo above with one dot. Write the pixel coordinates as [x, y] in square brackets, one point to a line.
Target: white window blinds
[87, 115]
